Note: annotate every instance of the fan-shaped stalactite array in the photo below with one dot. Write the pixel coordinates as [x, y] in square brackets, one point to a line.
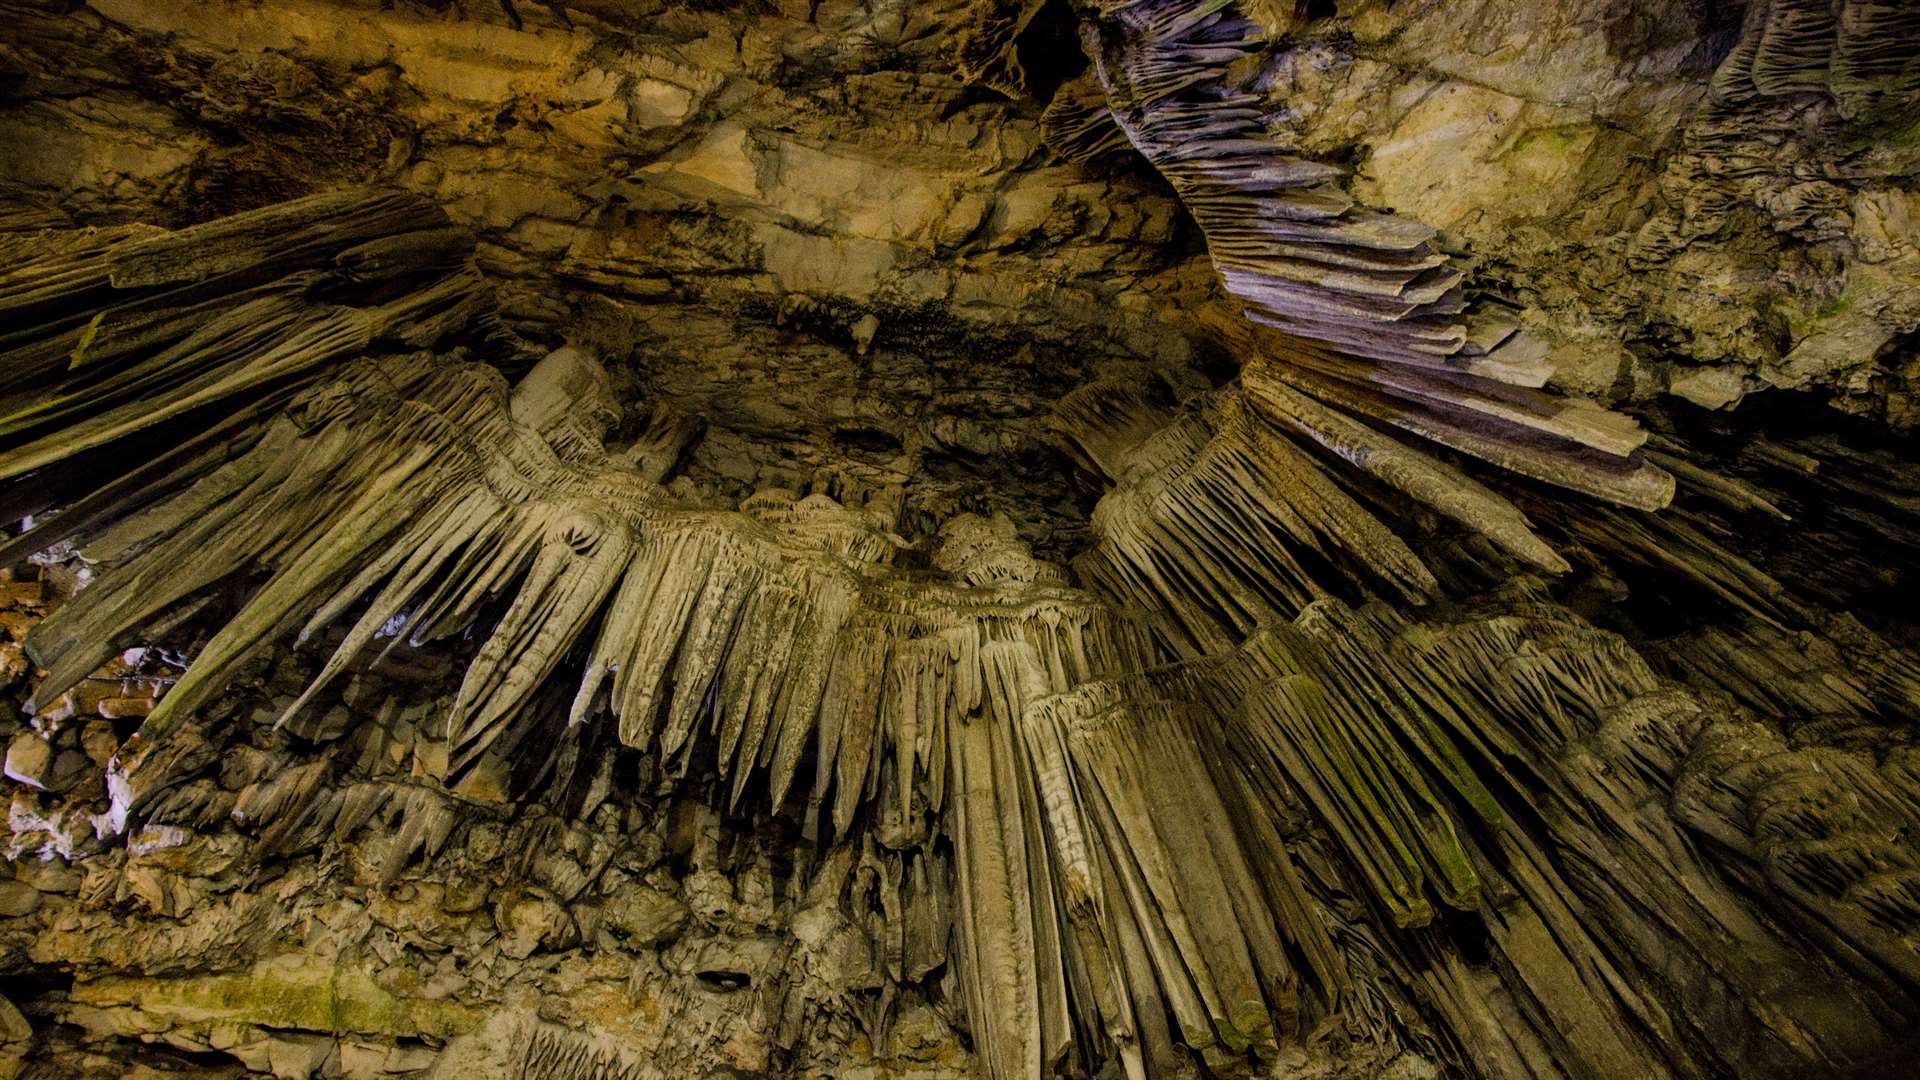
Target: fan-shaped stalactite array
[1233, 531]
[414, 495]
[1284, 235]
[1301, 754]
[1225, 518]
[1361, 332]
[1502, 763]
[987, 50]
[1079, 124]
[407, 490]
[115, 332]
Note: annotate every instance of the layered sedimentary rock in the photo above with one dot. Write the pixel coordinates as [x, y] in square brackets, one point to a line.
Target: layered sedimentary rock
[990, 539]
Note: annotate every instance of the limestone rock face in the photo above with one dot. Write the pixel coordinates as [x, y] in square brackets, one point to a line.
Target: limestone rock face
[1127, 538]
[1634, 183]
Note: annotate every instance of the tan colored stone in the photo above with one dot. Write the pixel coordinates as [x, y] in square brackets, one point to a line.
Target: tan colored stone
[1709, 388]
[30, 760]
[643, 916]
[17, 898]
[529, 921]
[13, 1026]
[100, 742]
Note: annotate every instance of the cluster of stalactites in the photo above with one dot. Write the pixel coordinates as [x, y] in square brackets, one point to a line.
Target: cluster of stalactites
[1104, 909]
[414, 490]
[1170, 896]
[1247, 529]
[1078, 124]
[1141, 855]
[986, 50]
[1283, 233]
[1431, 752]
[1164, 888]
[1224, 518]
[411, 496]
[1818, 46]
[986, 551]
[1358, 311]
[115, 332]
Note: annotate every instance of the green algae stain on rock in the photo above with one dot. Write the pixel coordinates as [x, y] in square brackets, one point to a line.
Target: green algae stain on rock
[297, 992]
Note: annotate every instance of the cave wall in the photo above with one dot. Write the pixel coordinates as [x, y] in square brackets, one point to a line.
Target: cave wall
[1525, 777]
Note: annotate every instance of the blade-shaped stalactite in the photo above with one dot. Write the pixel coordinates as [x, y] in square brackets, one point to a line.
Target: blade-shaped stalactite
[1221, 523]
[1484, 762]
[1237, 509]
[1427, 479]
[1378, 322]
[1565, 442]
[417, 497]
[1079, 124]
[1108, 428]
[1006, 905]
[1378, 773]
[321, 487]
[1283, 234]
[117, 332]
[406, 485]
[1130, 792]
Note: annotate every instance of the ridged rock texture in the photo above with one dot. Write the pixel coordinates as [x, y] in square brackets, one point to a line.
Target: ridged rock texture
[1001, 538]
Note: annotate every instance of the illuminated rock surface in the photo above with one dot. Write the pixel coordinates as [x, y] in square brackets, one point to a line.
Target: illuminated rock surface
[1004, 539]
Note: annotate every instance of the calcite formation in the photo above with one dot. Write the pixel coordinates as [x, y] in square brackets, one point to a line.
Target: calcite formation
[1133, 538]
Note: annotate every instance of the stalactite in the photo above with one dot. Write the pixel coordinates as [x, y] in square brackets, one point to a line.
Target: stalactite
[1080, 126]
[1240, 525]
[1183, 882]
[127, 330]
[1224, 799]
[1377, 321]
[1813, 46]
[987, 51]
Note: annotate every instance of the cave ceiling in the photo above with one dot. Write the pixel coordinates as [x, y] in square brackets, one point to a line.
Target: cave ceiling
[988, 538]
